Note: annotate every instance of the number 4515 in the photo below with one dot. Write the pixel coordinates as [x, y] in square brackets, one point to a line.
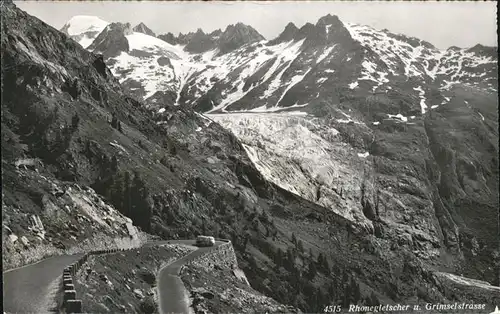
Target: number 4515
[332, 309]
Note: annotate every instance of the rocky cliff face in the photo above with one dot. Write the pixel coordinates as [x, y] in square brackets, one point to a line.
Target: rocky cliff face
[416, 184]
[215, 283]
[200, 42]
[379, 116]
[142, 28]
[169, 38]
[288, 34]
[44, 207]
[112, 40]
[233, 37]
[222, 257]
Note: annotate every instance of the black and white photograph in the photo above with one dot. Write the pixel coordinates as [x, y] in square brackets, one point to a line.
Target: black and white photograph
[199, 157]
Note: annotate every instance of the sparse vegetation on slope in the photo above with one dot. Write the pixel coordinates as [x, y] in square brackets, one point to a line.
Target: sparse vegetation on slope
[188, 176]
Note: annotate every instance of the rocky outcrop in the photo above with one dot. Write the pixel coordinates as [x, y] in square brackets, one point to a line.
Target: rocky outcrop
[233, 37]
[328, 30]
[468, 290]
[222, 256]
[63, 226]
[285, 36]
[169, 38]
[142, 28]
[216, 283]
[236, 36]
[112, 41]
[200, 42]
[487, 51]
[176, 173]
[216, 33]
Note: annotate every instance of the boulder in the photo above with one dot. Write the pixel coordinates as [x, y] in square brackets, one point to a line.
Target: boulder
[13, 238]
[138, 293]
[24, 241]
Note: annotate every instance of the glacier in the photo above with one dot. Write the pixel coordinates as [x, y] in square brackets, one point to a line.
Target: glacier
[298, 153]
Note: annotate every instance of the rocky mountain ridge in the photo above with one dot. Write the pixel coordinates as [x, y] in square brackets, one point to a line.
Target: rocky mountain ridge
[265, 76]
[233, 37]
[371, 100]
[112, 41]
[142, 28]
[396, 213]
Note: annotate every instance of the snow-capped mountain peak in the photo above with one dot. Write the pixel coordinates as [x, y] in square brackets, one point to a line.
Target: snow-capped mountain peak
[84, 28]
[237, 70]
[408, 57]
[84, 23]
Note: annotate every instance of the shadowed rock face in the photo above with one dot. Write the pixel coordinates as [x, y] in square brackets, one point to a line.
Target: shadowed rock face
[386, 96]
[331, 30]
[112, 41]
[424, 194]
[169, 38]
[216, 32]
[285, 36]
[233, 37]
[142, 28]
[487, 51]
[236, 36]
[201, 42]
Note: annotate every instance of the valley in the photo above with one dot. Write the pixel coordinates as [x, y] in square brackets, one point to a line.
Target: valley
[347, 165]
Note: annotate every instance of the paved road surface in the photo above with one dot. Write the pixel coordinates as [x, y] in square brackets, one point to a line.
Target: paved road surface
[173, 296]
[28, 289]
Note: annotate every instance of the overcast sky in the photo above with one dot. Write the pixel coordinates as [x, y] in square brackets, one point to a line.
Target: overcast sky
[444, 24]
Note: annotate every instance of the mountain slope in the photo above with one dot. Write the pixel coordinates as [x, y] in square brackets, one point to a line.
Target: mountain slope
[142, 28]
[141, 62]
[372, 99]
[176, 173]
[303, 67]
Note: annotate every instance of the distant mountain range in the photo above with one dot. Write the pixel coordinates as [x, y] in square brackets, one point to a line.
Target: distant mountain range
[237, 70]
[347, 165]
[405, 109]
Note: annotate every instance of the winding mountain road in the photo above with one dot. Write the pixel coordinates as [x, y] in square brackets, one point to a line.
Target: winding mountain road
[173, 296]
[29, 289]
